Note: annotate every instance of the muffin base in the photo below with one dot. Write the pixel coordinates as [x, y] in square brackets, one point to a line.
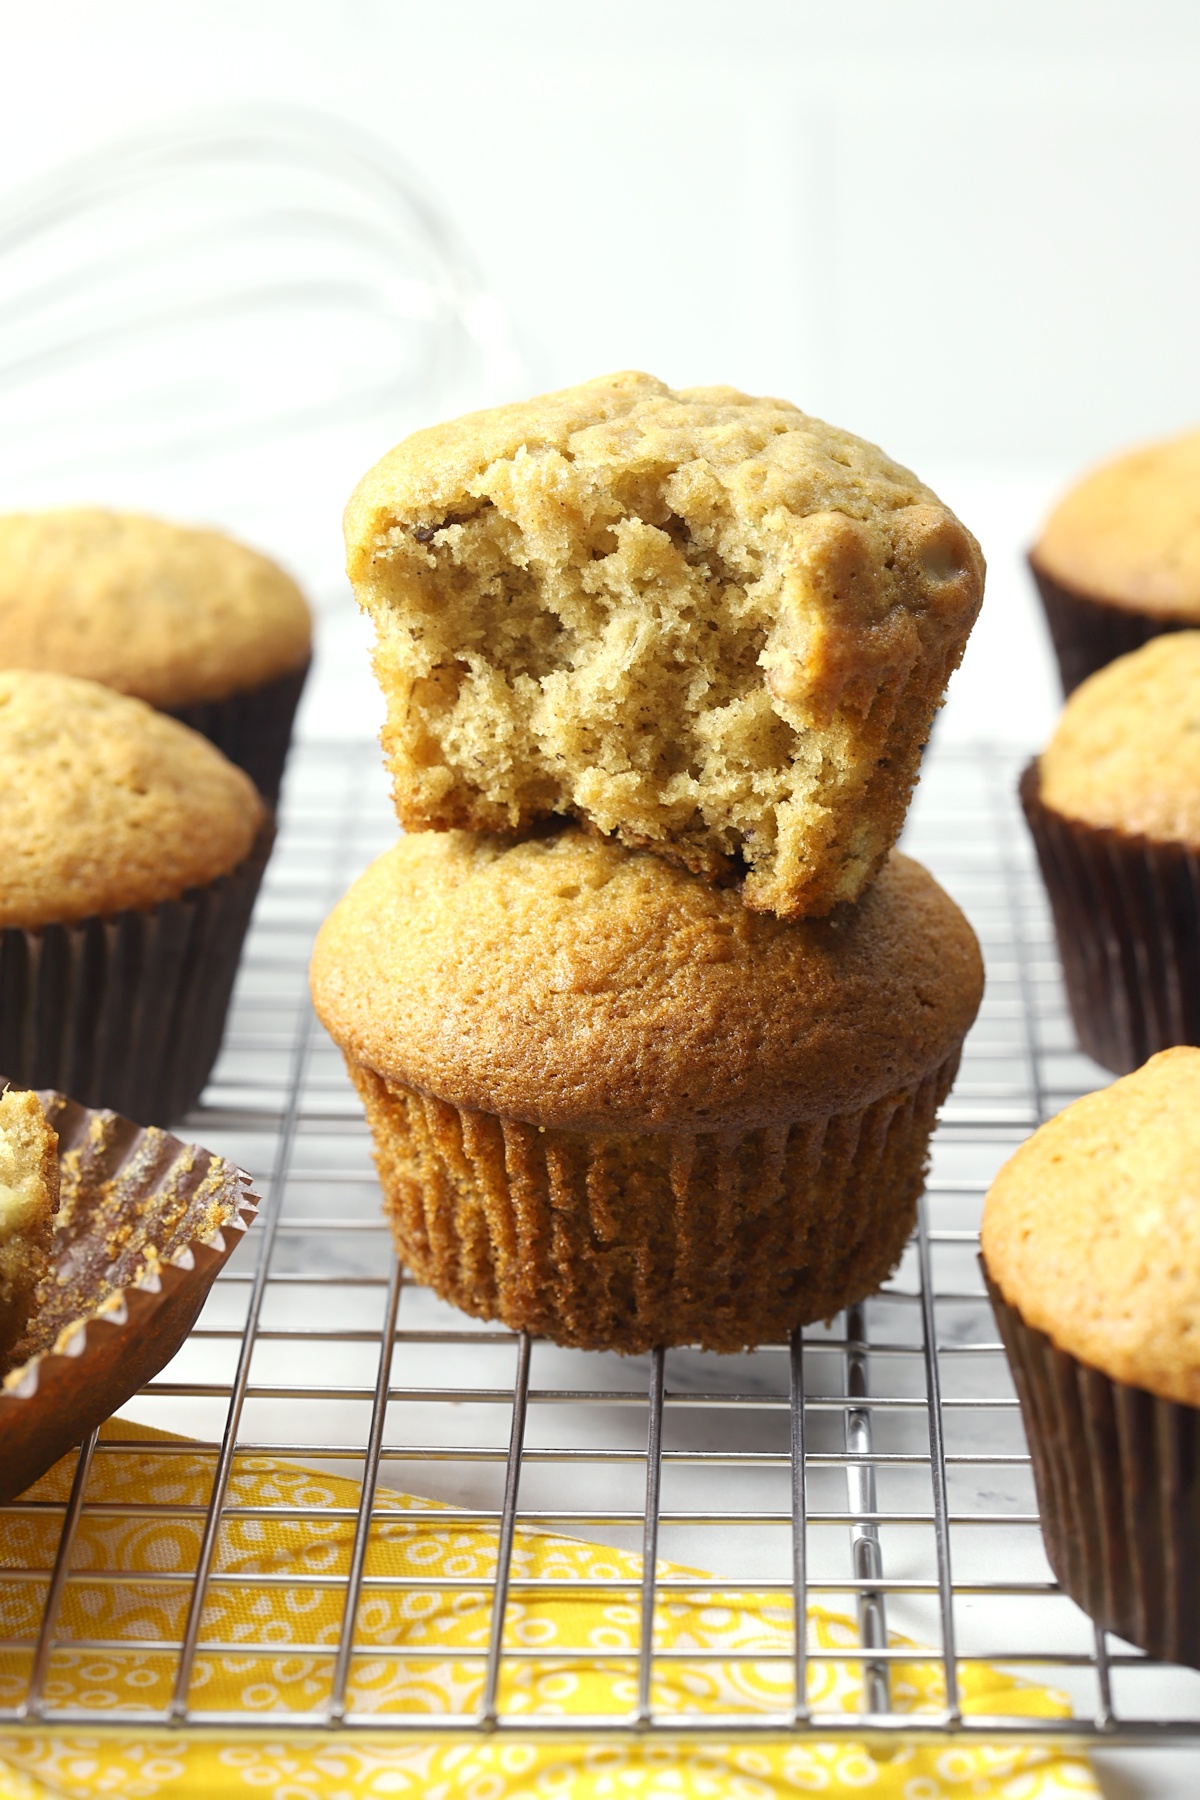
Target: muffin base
[128, 1012]
[1127, 918]
[1117, 1473]
[252, 728]
[611, 1241]
[1089, 634]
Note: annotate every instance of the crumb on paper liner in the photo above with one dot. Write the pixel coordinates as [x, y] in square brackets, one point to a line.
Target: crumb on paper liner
[411, 1538]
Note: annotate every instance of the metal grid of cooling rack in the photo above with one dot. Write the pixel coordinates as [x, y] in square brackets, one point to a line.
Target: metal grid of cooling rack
[874, 1466]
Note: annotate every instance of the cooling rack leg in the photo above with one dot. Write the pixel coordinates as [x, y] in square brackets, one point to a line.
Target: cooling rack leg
[362, 1532]
[799, 1533]
[508, 1526]
[31, 1706]
[866, 1553]
[650, 1534]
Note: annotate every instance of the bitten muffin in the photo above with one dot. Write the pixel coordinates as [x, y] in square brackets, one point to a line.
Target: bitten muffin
[188, 620]
[28, 1203]
[132, 851]
[1091, 1243]
[612, 1106]
[1118, 560]
[705, 624]
[1114, 806]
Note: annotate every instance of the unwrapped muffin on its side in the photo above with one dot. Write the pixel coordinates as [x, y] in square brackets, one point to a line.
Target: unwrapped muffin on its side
[705, 624]
[612, 1106]
[28, 1203]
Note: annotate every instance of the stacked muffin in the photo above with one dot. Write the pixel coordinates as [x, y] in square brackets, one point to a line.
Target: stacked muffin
[650, 1025]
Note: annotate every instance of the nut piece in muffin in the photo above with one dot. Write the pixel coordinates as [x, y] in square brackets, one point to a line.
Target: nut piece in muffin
[703, 623]
[1118, 560]
[28, 1203]
[1114, 806]
[1091, 1243]
[132, 851]
[612, 1106]
[186, 619]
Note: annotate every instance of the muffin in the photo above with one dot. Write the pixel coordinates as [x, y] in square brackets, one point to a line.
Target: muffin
[1113, 804]
[132, 851]
[1091, 1244]
[28, 1203]
[704, 624]
[613, 1106]
[1118, 560]
[187, 620]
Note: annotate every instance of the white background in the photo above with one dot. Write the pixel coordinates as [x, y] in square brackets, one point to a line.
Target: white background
[969, 232]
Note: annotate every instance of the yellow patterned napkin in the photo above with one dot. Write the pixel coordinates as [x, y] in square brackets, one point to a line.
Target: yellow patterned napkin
[409, 1539]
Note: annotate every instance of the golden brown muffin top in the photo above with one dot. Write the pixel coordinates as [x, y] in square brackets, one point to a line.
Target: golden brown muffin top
[1092, 1230]
[1126, 751]
[1129, 532]
[703, 622]
[169, 613]
[568, 982]
[106, 804]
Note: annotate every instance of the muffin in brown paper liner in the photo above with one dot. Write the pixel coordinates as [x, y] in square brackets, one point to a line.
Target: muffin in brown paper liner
[1088, 634]
[1127, 918]
[128, 1011]
[1117, 1474]
[253, 728]
[145, 1224]
[607, 1240]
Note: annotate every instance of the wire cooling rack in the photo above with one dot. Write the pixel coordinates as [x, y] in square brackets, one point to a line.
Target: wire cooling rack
[875, 1466]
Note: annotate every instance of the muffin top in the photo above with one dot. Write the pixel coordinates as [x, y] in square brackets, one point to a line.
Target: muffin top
[171, 614]
[1129, 532]
[106, 804]
[700, 621]
[567, 982]
[1126, 751]
[1092, 1230]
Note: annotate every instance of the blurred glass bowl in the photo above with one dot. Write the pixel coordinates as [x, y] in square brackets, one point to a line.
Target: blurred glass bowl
[228, 319]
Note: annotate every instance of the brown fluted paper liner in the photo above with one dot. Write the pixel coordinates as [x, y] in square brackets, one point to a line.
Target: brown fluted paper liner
[1127, 918]
[1089, 634]
[625, 1241]
[1117, 1472]
[128, 1012]
[144, 1226]
[253, 728]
